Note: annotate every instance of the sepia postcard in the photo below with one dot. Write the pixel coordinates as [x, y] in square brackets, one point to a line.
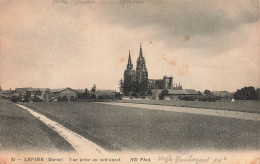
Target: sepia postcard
[129, 81]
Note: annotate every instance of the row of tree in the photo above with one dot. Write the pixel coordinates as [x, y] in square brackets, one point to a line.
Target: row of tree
[27, 97]
[87, 94]
[133, 88]
[207, 98]
[247, 93]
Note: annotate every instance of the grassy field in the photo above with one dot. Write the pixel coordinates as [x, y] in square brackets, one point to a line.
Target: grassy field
[241, 106]
[123, 128]
[20, 131]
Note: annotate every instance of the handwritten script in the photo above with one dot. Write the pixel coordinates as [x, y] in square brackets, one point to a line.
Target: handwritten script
[123, 3]
[190, 159]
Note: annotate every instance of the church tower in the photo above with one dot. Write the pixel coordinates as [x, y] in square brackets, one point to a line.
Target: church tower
[141, 72]
[129, 76]
[129, 64]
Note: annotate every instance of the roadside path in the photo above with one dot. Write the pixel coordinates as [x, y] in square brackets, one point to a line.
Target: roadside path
[79, 143]
[209, 112]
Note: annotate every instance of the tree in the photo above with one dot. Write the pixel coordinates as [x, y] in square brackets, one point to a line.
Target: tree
[38, 93]
[121, 85]
[93, 96]
[85, 95]
[164, 92]
[27, 97]
[37, 99]
[126, 87]
[258, 93]
[94, 88]
[246, 93]
[150, 92]
[118, 96]
[142, 88]
[16, 98]
[207, 92]
[129, 88]
[81, 96]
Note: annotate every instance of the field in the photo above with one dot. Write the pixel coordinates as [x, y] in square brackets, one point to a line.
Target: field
[241, 105]
[118, 128]
[20, 131]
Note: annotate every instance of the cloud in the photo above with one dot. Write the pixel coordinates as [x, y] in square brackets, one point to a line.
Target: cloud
[203, 44]
[208, 23]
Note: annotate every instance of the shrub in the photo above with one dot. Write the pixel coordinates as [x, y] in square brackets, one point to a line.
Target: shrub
[16, 98]
[37, 99]
[246, 93]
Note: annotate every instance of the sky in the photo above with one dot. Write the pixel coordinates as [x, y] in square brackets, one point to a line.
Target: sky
[203, 44]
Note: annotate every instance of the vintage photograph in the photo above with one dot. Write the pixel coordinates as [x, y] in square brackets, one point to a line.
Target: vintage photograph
[130, 81]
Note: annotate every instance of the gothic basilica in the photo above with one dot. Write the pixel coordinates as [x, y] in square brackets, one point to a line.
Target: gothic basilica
[139, 77]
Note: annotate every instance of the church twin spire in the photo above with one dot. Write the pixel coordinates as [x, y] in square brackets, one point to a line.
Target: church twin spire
[141, 51]
[129, 64]
[140, 60]
[138, 77]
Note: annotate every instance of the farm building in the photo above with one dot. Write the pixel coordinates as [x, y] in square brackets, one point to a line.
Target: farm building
[22, 91]
[41, 93]
[66, 94]
[225, 96]
[7, 94]
[174, 94]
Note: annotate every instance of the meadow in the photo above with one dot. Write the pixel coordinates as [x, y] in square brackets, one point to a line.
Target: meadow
[20, 131]
[117, 128]
[239, 105]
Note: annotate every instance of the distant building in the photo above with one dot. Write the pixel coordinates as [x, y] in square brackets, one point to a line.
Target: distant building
[224, 96]
[174, 94]
[7, 94]
[41, 93]
[137, 80]
[141, 70]
[23, 90]
[164, 83]
[129, 74]
[66, 94]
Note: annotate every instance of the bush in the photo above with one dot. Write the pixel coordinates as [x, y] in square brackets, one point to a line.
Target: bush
[37, 99]
[16, 98]
[84, 96]
[93, 96]
[118, 96]
[164, 92]
[246, 93]
[207, 98]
